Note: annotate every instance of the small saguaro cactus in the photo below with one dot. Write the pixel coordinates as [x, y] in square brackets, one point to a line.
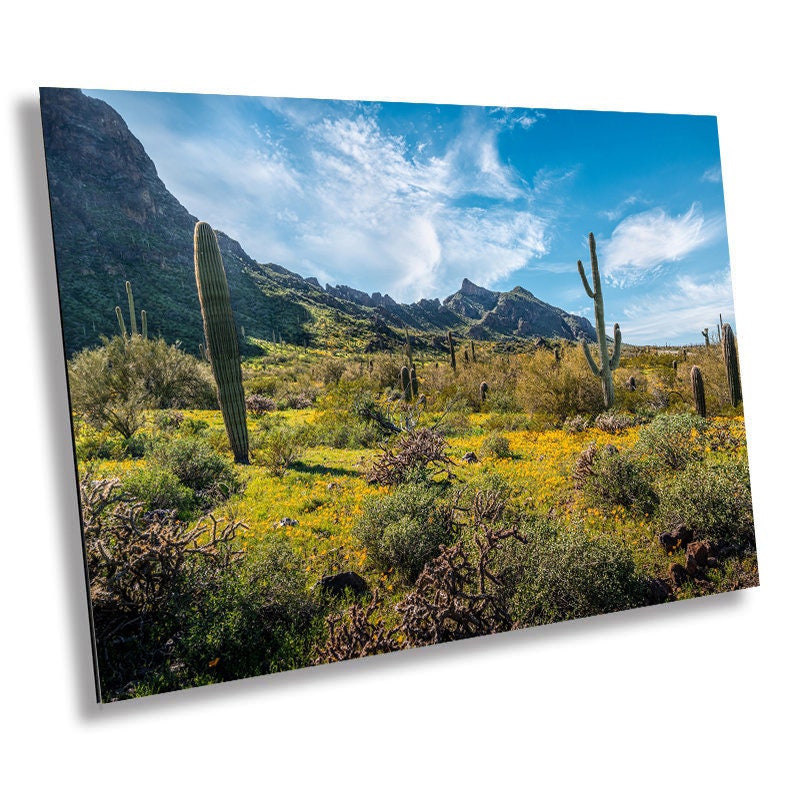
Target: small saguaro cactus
[222, 344]
[414, 382]
[144, 324]
[484, 390]
[472, 348]
[705, 336]
[405, 383]
[698, 391]
[452, 350]
[607, 363]
[731, 358]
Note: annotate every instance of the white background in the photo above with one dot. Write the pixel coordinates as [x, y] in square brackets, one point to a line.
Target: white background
[695, 699]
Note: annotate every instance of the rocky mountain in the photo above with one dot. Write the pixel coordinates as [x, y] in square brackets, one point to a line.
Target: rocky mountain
[114, 220]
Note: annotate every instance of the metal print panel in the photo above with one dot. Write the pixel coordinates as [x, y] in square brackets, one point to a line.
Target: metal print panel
[337, 386]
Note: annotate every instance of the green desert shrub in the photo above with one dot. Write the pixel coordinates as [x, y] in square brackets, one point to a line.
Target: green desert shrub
[193, 427]
[509, 422]
[561, 391]
[495, 445]
[330, 370]
[279, 447]
[343, 430]
[182, 474]
[111, 386]
[618, 478]
[503, 402]
[453, 423]
[567, 574]
[403, 530]
[167, 421]
[210, 476]
[714, 499]
[252, 619]
[674, 440]
[158, 487]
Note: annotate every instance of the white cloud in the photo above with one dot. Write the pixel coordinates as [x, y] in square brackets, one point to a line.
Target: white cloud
[617, 212]
[644, 242]
[678, 315]
[385, 216]
[712, 175]
[511, 117]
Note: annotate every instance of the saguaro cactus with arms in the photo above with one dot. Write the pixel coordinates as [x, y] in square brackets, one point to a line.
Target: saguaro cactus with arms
[608, 363]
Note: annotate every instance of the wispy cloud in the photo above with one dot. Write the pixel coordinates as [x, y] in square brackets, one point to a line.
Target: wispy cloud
[617, 212]
[644, 242]
[712, 175]
[678, 314]
[383, 214]
[511, 117]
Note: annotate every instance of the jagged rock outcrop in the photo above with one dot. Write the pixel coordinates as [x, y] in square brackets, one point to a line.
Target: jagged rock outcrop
[516, 313]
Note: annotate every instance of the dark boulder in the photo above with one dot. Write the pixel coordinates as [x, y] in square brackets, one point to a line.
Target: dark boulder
[342, 581]
[679, 536]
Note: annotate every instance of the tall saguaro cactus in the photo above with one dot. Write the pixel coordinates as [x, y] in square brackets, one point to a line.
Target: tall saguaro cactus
[731, 358]
[221, 341]
[607, 363]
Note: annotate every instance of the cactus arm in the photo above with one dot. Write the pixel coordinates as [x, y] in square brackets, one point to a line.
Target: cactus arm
[585, 282]
[617, 347]
[588, 353]
[121, 320]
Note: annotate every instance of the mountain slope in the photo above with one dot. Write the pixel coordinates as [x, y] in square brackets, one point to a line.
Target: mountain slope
[114, 220]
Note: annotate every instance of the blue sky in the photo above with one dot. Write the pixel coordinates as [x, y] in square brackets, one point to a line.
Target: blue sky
[408, 199]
